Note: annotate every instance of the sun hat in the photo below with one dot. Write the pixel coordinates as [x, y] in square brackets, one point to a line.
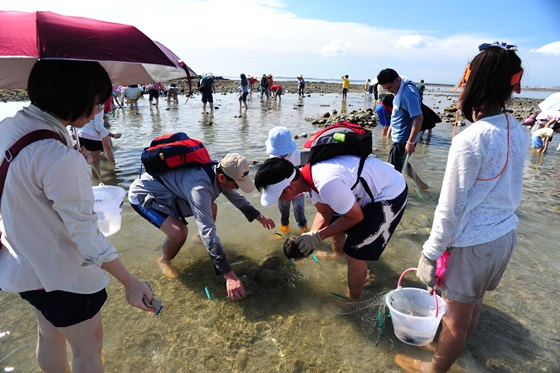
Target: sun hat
[280, 141]
[271, 193]
[236, 167]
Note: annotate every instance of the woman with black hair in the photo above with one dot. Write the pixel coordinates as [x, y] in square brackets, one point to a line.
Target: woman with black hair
[474, 230]
[52, 252]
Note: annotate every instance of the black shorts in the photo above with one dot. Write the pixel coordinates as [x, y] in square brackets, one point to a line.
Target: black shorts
[63, 308]
[397, 154]
[344, 91]
[243, 96]
[91, 145]
[367, 239]
[207, 97]
[154, 93]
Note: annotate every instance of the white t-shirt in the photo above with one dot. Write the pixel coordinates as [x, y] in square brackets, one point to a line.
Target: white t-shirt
[335, 177]
[94, 129]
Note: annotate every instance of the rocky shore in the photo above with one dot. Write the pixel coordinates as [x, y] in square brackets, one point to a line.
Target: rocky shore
[519, 107]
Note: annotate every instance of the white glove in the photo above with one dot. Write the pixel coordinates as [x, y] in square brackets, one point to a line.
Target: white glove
[118, 135]
[308, 241]
[427, 272]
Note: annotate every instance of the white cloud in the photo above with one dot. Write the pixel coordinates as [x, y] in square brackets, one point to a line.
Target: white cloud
[335, 47]
[552, 49]
[228, 37]
[412, 41]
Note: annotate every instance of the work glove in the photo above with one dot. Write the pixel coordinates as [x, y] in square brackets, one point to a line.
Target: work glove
[307, 242]
[427, 272]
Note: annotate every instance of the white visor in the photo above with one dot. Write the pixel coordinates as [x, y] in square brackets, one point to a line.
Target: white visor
[272, 193]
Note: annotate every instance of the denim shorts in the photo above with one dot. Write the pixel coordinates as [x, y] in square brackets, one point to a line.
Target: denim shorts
[473, 270]
[63, 308]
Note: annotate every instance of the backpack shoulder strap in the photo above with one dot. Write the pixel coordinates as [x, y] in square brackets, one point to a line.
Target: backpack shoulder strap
[18, 146]
[360, 179]
[306, 174]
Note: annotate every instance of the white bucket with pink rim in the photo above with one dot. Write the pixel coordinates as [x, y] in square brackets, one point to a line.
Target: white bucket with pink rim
[416, 313]
[107, 204]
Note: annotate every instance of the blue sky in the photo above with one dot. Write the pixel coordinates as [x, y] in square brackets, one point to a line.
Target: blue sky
[430, 40]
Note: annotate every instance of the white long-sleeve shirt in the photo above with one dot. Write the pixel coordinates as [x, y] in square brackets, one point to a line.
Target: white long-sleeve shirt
[94, 129]
[49, 228]
[472, 210]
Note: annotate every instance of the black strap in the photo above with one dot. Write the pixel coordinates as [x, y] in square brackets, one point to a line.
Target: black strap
[17, 147]
[360, 179]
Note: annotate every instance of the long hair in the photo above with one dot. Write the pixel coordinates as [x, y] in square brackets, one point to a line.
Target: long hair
[68, 89]
[489, 86]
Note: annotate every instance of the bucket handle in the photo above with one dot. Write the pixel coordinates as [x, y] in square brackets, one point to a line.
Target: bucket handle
[434, 291]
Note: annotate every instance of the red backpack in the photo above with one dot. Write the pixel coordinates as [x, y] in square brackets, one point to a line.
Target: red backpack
[342, 138]
[174, 150]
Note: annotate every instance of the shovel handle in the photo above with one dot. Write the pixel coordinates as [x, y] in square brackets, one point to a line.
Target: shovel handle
[434, 290]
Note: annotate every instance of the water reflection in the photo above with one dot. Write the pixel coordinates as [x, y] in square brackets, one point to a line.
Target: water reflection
[282, 325]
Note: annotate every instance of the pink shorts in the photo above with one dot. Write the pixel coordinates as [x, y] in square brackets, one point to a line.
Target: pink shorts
[473, 270]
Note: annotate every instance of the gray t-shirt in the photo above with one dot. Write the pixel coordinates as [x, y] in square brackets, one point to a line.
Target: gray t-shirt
[192, 191]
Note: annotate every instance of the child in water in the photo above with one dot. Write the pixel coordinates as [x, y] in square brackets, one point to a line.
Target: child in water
[280, 144]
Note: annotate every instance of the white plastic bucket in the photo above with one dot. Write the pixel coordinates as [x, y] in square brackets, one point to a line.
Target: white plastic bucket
[107, 205]
[415, 313]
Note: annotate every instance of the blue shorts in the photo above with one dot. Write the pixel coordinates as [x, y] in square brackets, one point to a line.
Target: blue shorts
[153, 216]
[367, 239]
[536, 142]
[63, 308]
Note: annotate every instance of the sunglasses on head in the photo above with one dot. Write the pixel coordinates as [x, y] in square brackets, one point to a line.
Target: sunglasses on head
[502, 45]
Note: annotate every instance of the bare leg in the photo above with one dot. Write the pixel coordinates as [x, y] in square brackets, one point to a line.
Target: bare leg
[96, 161]
[414, 176]
[337, 244]
[108, 149]
[86, 341]
[51, 346]
[385, 131]
[357, 274]
[176, 233]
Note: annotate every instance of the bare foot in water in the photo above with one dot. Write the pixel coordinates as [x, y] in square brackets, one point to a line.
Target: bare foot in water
[423, 186]
[411, 365]
[167, 268]
[430, 348]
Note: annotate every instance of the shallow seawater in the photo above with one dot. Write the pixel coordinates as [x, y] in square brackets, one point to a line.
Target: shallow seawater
[283, 324]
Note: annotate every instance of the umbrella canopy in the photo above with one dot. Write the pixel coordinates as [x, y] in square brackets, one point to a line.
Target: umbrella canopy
[128, 55]
[551, 102]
